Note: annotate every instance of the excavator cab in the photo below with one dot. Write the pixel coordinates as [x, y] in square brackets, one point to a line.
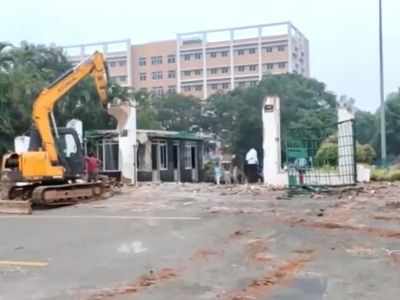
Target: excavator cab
[70, 153]
[69, 150]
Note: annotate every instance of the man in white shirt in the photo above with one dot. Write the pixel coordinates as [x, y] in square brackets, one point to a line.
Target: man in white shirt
[251, 165]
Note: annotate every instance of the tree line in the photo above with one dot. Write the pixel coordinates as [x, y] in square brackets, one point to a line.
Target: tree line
[234, 117]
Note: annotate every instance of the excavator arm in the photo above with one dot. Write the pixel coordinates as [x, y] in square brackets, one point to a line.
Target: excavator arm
[43, 106]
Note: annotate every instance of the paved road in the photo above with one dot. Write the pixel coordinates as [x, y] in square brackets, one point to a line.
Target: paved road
[200, 242]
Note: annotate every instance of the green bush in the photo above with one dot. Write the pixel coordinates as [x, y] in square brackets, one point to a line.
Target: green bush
[327, 155]
[385, 175]
[365, 154]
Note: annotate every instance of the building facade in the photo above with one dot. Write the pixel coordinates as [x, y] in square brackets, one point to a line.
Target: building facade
[205, 62]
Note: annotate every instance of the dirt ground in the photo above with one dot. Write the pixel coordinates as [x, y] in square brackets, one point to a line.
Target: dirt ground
[201, 241]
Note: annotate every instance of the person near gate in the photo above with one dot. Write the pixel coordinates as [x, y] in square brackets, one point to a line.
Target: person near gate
[92, 166]
[251, 166]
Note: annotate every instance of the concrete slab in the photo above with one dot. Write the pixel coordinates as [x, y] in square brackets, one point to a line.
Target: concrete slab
[15, 207]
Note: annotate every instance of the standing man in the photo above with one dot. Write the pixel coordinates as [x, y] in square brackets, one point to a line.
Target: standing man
[251, 165]
[92, 167]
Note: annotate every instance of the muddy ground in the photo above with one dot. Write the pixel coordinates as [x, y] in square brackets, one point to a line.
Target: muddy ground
[188, 241]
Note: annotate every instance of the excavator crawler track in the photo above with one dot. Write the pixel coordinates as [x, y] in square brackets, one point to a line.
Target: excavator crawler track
[66, 193]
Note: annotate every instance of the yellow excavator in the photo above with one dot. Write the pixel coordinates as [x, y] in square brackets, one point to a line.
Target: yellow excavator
[51, 171]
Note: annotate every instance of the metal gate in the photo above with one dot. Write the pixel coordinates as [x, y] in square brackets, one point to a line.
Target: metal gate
[321, 157]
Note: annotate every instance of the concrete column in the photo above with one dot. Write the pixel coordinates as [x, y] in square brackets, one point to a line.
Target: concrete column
[290, 50]
[125, 113]
[232, 59]
[260, 71]
[204, 45]
[178, 64]
[129, 65]
[271, 116]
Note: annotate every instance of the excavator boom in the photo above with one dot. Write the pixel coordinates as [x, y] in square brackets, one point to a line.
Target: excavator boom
[44, 104]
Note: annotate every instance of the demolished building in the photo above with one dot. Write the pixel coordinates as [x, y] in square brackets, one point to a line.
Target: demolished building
[159, 155]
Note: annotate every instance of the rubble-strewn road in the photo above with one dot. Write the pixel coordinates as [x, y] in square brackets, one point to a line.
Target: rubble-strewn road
[173, 241]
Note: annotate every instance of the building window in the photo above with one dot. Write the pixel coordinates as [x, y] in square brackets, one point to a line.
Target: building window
[187, 73]
[214, 86]
[268, 49]
[143, 76]
[122, 63]
[225, 86]
[253, 68]
[156, 60]
[171, 89]
[186, 57]
[171, 74]
[197, 72]
[224, 70]
[270, 66]
[157, 75]
[213, 54]
[198, 88]
[163, 155]
[187, 88]
[142, 61]
[112, 64]
[224, 53]
[171, 59]
[158, 91]
[240, 52]
[214, 71]
[242, 84]
[240, 68]
[281, 48]
[253, 83]
[252, 51]
[282, 65]
[197, 55]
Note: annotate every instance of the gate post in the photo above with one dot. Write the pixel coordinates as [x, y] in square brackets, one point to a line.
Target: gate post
[271, 116]
[346, 145]
[125, 113]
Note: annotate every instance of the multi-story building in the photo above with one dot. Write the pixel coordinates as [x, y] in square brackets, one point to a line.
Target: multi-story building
[205, 62]
[117, 53]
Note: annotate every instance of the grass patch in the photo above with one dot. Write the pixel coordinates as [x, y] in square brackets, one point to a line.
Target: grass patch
[379, 174]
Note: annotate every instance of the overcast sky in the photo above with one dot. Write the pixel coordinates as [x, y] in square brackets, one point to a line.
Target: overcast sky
[343, 34]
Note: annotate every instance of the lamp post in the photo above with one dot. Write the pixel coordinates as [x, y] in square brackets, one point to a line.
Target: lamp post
[382, 90]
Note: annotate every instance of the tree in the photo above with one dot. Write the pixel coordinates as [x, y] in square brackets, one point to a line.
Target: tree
[305, 103]
[393, 123]
[177, 112]
[366, 127]
[6, 59]
[146, 114]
